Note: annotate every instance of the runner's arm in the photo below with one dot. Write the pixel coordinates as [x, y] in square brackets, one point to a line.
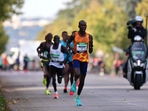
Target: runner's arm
[90, 43]
[64, 50]
[39, 49]
[48, 54]
[71, 38]
[69, 41]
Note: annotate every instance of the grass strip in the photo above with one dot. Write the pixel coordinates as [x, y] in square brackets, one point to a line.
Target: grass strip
[3, 104]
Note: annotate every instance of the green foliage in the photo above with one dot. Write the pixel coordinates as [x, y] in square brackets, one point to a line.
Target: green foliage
[3, 106]
[3, 39]
[9, 7]
[128, 6]
[65, 19]
[142, 9]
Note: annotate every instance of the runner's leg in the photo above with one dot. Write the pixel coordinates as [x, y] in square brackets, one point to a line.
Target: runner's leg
[66, 77]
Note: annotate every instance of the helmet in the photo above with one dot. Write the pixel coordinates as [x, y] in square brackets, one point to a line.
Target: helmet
[138, 19]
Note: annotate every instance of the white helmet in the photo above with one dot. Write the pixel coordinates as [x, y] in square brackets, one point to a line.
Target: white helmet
[138, 19]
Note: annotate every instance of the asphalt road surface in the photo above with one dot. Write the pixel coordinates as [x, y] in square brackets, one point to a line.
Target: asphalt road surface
[25, 92]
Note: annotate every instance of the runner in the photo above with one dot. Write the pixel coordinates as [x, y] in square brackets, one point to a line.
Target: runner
[71, 69]
[57, 62]
[65, 70]
[43, 53]
[83, 43]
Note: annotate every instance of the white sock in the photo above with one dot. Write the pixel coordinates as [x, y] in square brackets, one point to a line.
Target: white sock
[77, 96]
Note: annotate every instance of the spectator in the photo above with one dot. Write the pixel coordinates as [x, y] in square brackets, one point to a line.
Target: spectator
[118, 65]
[26, 60]
[1, 63]
[5, 63]
[33, 64]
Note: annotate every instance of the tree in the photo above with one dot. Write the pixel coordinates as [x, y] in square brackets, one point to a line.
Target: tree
[128, 6]
[7, 9]
[3, 39]
[142, 9]
[64, 19]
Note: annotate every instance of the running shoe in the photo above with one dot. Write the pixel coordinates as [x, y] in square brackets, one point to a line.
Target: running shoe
[55, 96]
[71, 93]
[73, 87]
[47, 92]
[65, 90]
[78, 101]
[44, 81]
[59, 79]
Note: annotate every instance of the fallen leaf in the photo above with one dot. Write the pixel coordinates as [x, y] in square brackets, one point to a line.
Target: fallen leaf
[27, 98]
[7, 108]
[14, 101]
[124, 100]
[8, 101]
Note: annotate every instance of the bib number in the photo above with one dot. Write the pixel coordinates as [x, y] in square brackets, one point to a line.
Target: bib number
[82, 47]
[55, 57]
[45, 54]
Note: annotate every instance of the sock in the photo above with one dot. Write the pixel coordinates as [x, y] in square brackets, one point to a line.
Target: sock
[65, 87]
[77, 96]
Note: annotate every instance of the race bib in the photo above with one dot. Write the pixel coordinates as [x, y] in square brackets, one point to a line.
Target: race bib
[55, 57]
[45, 54]
[82, 47]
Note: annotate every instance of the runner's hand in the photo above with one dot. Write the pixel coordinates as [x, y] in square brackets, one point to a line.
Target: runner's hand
[61, 63]
[74, 51]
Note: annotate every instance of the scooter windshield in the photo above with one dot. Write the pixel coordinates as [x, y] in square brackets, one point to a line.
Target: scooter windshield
[138, 51]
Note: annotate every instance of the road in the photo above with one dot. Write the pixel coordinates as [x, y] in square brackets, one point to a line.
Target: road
[25, 92]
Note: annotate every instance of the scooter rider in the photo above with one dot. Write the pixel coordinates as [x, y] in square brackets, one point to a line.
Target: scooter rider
[134, 28]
